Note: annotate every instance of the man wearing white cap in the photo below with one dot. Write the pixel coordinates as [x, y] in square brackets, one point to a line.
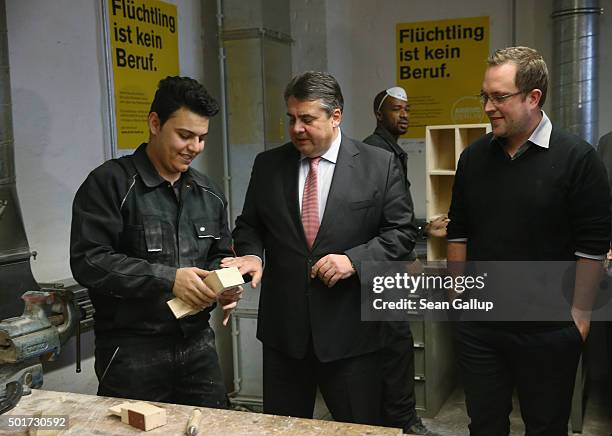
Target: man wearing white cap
[392, 115]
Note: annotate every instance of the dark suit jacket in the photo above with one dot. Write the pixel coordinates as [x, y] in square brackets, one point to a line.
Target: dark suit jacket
[367, 217]
[384, 139]
[605, 152]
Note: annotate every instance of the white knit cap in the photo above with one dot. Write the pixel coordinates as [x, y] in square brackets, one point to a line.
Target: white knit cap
[398, 92]
[395, 92]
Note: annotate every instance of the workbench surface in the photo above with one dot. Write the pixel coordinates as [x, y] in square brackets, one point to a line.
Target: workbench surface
[88, 415]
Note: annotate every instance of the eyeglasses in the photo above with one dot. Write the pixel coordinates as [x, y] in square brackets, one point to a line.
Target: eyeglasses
[496, 99]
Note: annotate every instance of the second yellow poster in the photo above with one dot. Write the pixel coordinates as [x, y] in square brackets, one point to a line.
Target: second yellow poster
[144, 50]
[441, 66]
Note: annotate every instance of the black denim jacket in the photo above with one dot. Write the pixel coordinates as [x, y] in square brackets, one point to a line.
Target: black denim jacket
[129, 235]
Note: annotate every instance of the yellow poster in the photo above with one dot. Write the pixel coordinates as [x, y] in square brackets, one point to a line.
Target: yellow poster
[441, 66]
[144, 50]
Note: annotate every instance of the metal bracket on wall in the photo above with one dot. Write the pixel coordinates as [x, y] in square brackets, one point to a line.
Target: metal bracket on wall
[576, 11]
[256, 32]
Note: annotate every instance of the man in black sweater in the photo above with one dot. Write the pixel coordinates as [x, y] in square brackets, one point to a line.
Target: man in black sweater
[528, 191]
[604, 148]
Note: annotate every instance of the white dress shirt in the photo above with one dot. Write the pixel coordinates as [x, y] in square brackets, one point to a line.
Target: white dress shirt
[325, 173]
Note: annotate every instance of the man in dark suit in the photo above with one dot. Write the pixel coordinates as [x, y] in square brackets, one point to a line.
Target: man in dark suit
[319, 207]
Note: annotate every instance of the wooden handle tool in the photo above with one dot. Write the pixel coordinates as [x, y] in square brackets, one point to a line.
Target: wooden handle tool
[193, 426]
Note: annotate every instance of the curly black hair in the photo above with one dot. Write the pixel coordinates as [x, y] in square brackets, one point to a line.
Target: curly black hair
[175, 92]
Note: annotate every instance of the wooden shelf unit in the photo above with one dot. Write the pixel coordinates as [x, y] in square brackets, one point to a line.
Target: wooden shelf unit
[433, 341]
[443, 146]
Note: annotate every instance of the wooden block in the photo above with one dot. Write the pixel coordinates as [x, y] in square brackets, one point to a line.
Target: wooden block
[32, 431]
[146, 416]
[141, 415]
[218, 280]
[223, 279]
[116, 410]
[121, 411]
[124, 413]
[180, 309]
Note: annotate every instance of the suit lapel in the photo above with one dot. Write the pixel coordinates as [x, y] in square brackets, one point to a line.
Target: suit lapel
[340, 186]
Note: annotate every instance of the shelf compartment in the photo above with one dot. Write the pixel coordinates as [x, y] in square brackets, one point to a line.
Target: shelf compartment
[441, 190]
[441, 152]
[467, 134]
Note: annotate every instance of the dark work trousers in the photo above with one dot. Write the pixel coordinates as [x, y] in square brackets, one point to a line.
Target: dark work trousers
[540, 364]
[180, 371]
[351, 387]
[398, 399]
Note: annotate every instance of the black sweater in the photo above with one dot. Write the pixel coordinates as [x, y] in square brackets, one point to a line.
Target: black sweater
[547, 204]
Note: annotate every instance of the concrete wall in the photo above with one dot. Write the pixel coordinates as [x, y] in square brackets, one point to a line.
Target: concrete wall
[56, 78]
[309, 31]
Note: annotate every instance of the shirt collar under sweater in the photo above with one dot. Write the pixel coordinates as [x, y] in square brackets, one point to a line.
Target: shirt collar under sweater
[539, 137]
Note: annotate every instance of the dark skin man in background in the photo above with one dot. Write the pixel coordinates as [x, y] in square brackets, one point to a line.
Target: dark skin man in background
[392, 112]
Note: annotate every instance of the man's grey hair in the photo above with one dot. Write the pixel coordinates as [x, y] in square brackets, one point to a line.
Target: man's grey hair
[316, 85]
[531, 71]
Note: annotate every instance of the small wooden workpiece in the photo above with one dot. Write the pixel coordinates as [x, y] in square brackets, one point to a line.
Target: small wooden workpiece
[223, 279]
[180, 309]
[141, 415]
[218, 281]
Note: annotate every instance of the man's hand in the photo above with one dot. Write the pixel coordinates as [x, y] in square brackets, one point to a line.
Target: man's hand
[189, 287]
[583, 322]
[332, 268]
[436, 228]
[246, 265]
[588, 274]
[230, 295]
[228, 300]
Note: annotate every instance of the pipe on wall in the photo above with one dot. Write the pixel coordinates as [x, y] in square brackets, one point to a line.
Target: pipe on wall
[7, 160]
[224, 129]
[575, 83]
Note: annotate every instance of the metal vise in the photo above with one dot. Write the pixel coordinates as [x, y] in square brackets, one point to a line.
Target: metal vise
[25, 339]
